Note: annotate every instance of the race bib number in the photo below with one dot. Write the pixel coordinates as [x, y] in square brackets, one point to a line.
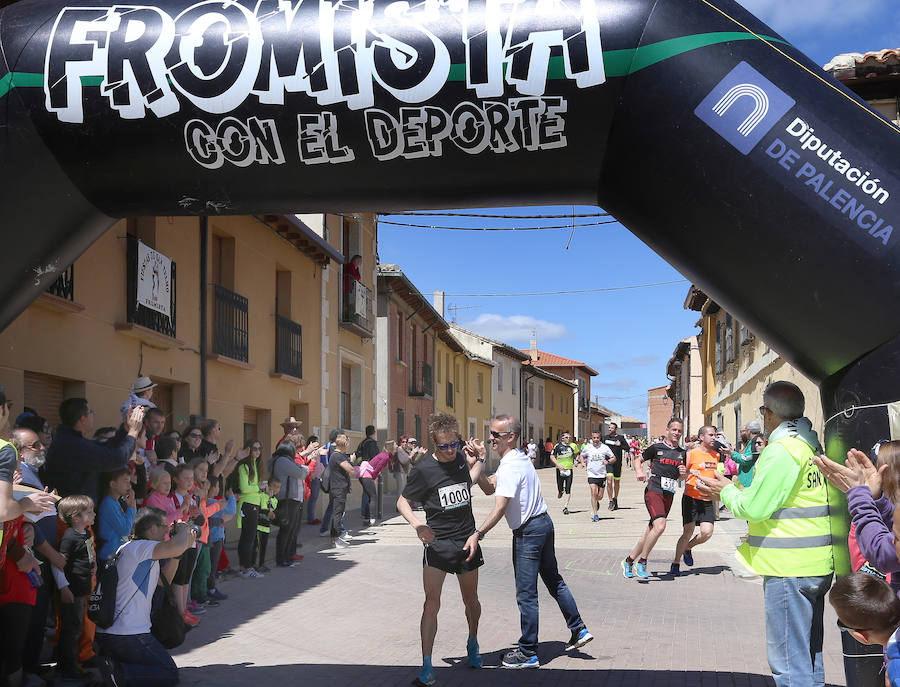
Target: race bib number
[668, 484]
[454, 495]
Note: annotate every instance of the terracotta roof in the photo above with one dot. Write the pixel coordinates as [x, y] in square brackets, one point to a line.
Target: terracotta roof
[863, 65]
[546, 374]
[546, 359]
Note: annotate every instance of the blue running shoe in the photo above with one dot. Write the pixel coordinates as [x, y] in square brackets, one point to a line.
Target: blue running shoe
[425, 678]
[675, 570]
[579, 639]
[640, 570]
[596, 518]
[627, 570]
[474, 655]
[688, 558]
[516, 659]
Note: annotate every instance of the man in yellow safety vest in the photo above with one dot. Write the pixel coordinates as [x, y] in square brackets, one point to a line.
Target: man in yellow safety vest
[790, 536]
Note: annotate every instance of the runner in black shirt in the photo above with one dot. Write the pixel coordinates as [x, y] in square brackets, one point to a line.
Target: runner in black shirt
[443, 483]
[619, 446]
[667, 465]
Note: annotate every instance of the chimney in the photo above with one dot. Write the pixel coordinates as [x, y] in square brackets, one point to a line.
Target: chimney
[533, 350]
[439, 302]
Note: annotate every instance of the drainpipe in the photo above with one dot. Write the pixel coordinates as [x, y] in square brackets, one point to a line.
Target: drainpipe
[204, 307]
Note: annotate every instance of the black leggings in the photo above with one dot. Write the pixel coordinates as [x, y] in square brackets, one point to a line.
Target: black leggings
[14, 619]
[288, 514]
[564, 484]
[249, 522]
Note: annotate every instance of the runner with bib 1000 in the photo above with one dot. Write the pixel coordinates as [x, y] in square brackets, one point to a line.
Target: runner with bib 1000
[443, 482]
[667, 466]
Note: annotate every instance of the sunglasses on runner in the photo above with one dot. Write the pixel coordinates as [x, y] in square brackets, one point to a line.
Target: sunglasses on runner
[453, 444]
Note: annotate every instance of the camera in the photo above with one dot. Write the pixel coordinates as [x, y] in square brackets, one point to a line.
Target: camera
[194, 528]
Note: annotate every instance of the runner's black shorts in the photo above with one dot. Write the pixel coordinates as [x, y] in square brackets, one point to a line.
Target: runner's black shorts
[697, 511]
[564, 484]
[448, 555]
[597, 480]
[616, 467]
[658, 505]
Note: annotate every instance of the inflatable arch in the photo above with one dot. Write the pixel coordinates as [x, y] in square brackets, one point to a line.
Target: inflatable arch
[711, 138]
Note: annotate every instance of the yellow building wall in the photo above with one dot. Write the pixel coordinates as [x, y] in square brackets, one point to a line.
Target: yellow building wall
[100, 362]
[341, 345]
[557, 416]
[478, 407]
[742, 381]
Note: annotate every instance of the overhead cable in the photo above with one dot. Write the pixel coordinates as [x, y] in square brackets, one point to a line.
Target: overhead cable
[431, 226]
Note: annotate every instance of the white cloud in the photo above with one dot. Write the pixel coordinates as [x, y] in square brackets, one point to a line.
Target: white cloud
[508, 328]
[808, 17]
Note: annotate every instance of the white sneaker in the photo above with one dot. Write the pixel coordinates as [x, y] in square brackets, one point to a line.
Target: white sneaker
[341, 544]
[251, 573]
[326, 533]
[346, 536]
[372, 522]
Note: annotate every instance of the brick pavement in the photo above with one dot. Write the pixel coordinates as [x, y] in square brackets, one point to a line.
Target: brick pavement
[351, 617]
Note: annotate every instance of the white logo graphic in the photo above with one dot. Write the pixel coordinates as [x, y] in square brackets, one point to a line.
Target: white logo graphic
[749, 90]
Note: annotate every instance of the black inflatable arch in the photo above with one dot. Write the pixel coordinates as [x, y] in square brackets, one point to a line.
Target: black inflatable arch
[701, 130]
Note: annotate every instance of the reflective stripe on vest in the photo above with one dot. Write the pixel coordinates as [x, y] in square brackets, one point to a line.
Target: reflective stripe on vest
[790, 542]
[802, 512]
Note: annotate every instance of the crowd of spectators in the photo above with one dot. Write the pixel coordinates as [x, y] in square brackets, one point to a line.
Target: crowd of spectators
[155, 504]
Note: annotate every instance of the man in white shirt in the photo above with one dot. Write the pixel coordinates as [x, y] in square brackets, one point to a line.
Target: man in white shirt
[532, 450]
[132, 655]
[596, 456]
[518, 497]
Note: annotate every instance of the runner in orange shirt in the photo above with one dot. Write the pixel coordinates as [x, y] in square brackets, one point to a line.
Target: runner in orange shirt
[696, 508]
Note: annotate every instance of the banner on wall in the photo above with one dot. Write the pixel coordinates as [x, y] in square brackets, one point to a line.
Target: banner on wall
[154, 280]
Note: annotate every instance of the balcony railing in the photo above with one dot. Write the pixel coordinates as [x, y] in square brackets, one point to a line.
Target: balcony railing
[358, 308]
[449, 394]
[231, 334]
[141, 314]
[64, 286]
[420, 380]
[288, 347]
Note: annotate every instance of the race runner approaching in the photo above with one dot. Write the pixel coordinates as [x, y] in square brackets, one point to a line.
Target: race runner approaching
[619, 446]
[666, 459]
[518, 497]
[563, 457]
[443, 483]
[696, 507]
[596, 456]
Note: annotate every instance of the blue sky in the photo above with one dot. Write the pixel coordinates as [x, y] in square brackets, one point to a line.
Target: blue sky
[616, 332]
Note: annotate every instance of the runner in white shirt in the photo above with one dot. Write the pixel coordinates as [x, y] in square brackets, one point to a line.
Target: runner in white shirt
[518, 497]
[596, 456]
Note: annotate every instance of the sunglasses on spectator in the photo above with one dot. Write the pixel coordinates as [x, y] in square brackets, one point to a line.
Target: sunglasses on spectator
[497, 435]
[194, 435]
[847, 628]
[453, 444]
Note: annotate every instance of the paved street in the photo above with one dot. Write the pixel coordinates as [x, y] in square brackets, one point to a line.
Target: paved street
[351, 617]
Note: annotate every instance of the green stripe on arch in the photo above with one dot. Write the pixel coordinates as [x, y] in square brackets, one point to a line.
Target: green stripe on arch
[617, 63]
